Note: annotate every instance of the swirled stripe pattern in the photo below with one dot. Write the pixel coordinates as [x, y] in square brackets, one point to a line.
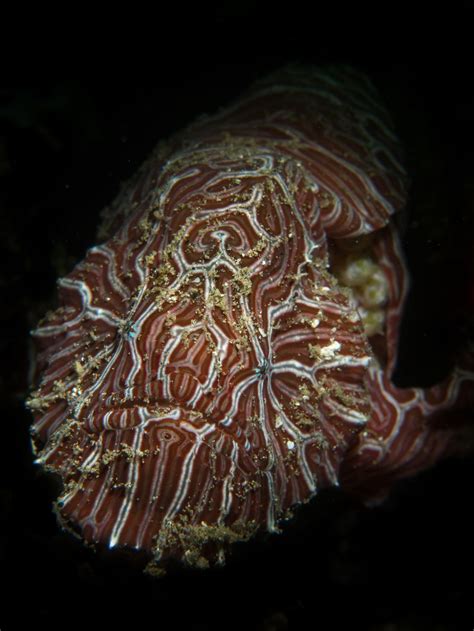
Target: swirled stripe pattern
[206, 369]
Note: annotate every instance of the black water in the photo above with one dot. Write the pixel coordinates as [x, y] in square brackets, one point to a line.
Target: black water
[65, 146]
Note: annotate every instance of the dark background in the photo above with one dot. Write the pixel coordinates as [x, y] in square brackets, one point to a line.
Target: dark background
[66, 144]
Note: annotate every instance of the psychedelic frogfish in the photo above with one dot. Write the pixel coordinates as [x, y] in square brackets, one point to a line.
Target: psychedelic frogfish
[228, 349]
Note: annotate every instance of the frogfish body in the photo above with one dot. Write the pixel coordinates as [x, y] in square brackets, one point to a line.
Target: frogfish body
[227, 351]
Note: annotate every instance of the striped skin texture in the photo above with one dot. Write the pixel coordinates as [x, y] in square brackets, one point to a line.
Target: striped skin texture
[207, 369]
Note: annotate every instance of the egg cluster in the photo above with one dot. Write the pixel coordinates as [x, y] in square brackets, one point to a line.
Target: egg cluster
[369, 285]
